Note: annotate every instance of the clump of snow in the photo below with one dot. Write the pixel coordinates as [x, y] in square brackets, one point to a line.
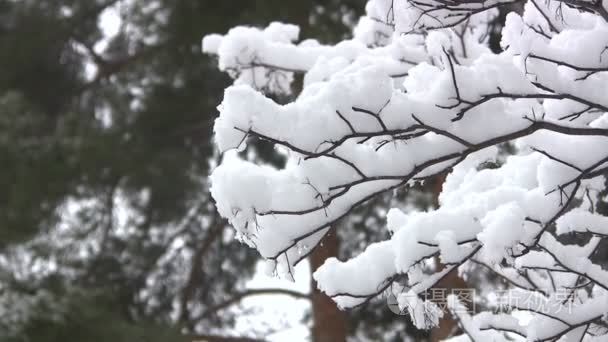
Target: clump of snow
[503, 229]
[521, 134]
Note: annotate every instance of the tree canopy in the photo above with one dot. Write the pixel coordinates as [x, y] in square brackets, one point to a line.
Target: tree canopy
[520, 129]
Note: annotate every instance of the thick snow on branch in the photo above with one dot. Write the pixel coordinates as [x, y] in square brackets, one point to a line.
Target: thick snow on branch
[414, 94]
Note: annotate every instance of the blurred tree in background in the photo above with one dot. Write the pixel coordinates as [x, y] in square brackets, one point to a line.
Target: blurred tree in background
[107, 231]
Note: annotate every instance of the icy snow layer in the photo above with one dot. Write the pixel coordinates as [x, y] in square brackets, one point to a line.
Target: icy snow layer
[397, 105]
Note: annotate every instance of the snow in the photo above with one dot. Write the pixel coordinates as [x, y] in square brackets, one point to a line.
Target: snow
[276, 312]
[415, 93]
[424, 314]
[503, 229]
[579, 220]
[376, 263]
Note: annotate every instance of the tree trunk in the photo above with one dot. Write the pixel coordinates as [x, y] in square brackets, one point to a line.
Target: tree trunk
[329, 323]
[447, 324]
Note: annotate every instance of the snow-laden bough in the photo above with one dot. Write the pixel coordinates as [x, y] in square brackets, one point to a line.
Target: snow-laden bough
[415, 93]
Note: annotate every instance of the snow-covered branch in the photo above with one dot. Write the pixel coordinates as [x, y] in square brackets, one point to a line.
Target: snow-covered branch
[417, 93]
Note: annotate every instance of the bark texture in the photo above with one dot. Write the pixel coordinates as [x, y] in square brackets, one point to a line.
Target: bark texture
[330, 324]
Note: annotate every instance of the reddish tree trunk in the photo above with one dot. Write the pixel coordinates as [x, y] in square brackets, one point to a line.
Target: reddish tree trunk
[329, 323]
[447, 325]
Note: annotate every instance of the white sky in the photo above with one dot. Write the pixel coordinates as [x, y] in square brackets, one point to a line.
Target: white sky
[279, 308]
